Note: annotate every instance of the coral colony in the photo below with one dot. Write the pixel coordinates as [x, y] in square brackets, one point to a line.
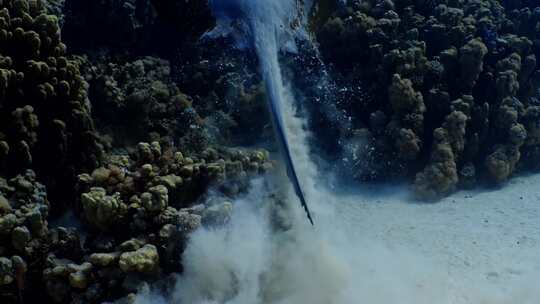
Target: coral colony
[119, 119]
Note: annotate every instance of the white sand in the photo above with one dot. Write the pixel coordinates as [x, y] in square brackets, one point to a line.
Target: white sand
[477, 247]
[472, 248]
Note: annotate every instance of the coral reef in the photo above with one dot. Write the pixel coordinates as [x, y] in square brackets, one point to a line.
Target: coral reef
[408, 120]
[458, 80]
[86, 218]
[44, 109]
[107, 153]
[440, 177]
[24, 209]
[227, 91]
[136, 101]
[149, 199]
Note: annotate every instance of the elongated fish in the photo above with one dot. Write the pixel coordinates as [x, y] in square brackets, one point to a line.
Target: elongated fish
[286, 154]
[265, 18]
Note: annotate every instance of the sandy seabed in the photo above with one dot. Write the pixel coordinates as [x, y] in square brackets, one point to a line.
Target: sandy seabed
[473, 247]
[376, 246]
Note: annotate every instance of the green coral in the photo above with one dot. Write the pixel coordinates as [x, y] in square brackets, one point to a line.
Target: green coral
[102, 210]
[156, 199]
[143, 260]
